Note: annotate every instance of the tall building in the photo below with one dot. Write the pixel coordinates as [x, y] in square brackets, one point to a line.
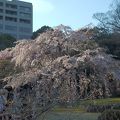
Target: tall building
[16, 18]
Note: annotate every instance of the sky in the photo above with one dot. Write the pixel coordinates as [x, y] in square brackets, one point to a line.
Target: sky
[74, 13]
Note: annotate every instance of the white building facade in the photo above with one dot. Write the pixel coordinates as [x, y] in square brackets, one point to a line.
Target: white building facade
[16, 18]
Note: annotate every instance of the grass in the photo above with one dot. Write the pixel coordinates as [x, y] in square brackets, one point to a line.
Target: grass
[77, 111]
[69, 116]
[68, 109]
[106, 101]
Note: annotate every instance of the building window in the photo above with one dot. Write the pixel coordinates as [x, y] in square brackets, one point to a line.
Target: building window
[25, 21]
[25, 9]
[23, 30]
[1, 17]
[22, 14]
[10, 12]
[11, 6]
[11, 19]
[1, 27]
[1, 3]
[1, 10]
[11, 28]
[24, 36]
[12, 34]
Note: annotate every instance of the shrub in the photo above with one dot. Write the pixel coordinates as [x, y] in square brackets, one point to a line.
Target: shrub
[112, 44]
[110, 115]
[117, 107]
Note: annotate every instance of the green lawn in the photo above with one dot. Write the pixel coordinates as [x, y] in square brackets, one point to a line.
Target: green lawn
[100, 101]
[77, 111]
[69, 113]
[69, 116]
[68, 109]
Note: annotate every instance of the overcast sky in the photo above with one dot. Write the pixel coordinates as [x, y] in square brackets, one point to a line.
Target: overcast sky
[75, 13]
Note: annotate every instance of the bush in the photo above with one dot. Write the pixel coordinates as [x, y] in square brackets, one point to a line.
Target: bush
[112, 43]
[117, 107]
[110, 115]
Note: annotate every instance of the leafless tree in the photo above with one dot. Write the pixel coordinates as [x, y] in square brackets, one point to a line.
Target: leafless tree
[110, 20]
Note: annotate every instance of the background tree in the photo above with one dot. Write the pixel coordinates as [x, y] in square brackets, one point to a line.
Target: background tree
[41, 30]
[6, 41]
[110, 20]
[107, 33]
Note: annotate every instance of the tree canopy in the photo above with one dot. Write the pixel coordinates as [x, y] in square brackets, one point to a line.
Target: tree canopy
[110, 20]
[41, 30]
[107, 33]
[6, 41]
